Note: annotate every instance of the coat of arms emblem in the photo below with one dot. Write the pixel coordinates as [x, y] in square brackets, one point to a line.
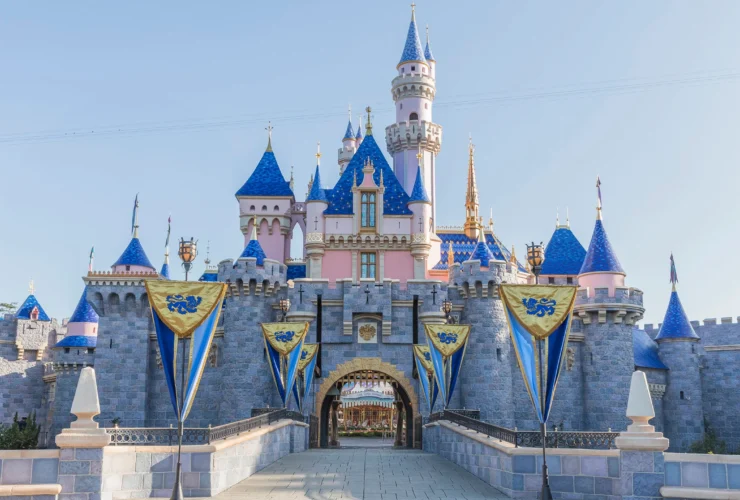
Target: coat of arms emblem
[367, 332]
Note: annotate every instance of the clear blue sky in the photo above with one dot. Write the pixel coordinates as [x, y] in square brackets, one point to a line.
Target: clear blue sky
[644, 94]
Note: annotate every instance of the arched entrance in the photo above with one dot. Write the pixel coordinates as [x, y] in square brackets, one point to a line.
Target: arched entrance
[373, 369]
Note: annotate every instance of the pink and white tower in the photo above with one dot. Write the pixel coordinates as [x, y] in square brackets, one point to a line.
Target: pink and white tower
[413, 92]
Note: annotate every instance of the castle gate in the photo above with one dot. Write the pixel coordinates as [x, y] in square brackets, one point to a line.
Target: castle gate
[370, 372]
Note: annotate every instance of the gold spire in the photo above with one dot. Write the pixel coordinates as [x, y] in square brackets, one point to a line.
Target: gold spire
[368, 125]
[413, 10]
[318, 153]
[557, 217]
[513, 255]
[292, 181]
[207, 260]
[31, 288]
[472, 219]
[269, 137]
[567, 216]
[490, 221]
[253, 235]
[310, 185]
[450, 256]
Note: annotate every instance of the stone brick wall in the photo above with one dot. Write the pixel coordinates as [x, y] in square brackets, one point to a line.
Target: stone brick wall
[29, 467]
[702, 471]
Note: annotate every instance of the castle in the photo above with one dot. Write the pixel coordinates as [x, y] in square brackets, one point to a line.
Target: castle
[376, 267]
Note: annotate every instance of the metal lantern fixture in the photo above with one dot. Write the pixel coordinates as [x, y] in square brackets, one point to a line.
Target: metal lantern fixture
[535, 258]
[447, 309]
[284, 307]
[187, 251]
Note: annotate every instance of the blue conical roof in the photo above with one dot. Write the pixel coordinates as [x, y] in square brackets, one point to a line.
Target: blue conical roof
[482, 253]
[412, 50]
[83, 341]
[564, 254]
[645, 351]
[317, 192]
[359, 132]
[134, 255]
[394, 198]
[419, 194]
[165, 272]
[84, 313]
[676, 324]
[209, 275]
[600, 257]
[24, 311]
[349, 133]
[254, 249]
[267, 179]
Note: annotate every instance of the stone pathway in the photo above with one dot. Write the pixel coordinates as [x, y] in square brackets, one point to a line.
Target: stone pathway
[369, 474]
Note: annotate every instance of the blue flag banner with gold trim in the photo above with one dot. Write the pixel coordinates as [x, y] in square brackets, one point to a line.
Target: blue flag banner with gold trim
[539, 318]
[284, 344]
[447, 345]
[184, 310]
[426, 372]
[306, 365]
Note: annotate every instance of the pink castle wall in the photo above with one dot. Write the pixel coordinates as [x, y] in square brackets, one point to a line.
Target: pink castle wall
[399, 265]
[273, 244]
[337, 264]
[85, 329]
[133, 269]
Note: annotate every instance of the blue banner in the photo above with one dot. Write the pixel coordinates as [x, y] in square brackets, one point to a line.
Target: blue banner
[455, 363]
[424, 382]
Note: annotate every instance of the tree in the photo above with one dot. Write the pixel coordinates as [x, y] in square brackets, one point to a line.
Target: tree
[7, 307]
[21, 434]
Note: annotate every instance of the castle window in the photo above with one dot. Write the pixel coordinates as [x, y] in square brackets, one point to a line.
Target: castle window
[34, 314]
[403, 70]
[277, 208]
[252, 208]
[550, 280]
[413, 116]
[498, 353]
[367, 265]
[90, 350]
[681, 395]
[128, 268]
[569, 280]
[400, 106]
[368, 210]
[423, 69]
[66, 350]
[413, 68]
[264, 208]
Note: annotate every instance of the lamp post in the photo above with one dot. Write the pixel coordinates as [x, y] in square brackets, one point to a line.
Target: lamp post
[447, 309]
[284, 308]
[187, 252]
[535, 258]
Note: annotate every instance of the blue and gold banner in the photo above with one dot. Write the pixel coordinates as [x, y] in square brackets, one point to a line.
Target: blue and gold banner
[306, 365]
[184, 310]
[426, 374]
[447, 345]
[539, 318]
[284, 345]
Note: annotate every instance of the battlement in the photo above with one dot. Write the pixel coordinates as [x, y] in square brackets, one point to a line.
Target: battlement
[245, 278]
[118, 298]
[725, 320]
[407, 135]
[622, 295]
[472, 280]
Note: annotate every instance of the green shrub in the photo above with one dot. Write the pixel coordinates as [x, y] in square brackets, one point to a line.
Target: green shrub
[710, 443]
[20, 435]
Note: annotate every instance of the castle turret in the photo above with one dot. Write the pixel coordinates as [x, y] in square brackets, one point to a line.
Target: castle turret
[678, 347]
[133, 258]
[564, 256]
[413, 91]
[253, 249]
[82, 327]
[358, 136]
[473, 226]
[165, 272]
[267, 196]
[608, 311]
[421, 222]
[349, 145]
[31, 308]
[430, 57]
[316, 203]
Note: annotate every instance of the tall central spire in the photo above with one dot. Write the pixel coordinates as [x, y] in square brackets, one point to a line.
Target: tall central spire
[472, 220]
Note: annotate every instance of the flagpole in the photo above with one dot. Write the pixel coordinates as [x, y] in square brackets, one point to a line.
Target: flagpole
[177, 488]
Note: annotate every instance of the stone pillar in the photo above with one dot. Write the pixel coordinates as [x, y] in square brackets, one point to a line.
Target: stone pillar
[640, 447]
[81, 457]
[334, 442]
[399, 424]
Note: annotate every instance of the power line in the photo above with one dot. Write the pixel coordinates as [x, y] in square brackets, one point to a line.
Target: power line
[619, 87]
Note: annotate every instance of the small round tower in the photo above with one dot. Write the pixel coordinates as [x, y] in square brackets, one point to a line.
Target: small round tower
[678, 345]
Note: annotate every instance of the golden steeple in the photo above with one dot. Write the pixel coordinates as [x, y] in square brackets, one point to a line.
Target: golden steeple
[472, 219]
[450, 257]
[368, 125]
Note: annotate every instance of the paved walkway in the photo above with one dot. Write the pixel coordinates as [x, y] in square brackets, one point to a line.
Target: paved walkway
[363, 442]
[369, 474]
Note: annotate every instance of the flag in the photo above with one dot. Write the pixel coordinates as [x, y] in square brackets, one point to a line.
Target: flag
[181, 311]
[674, 274]
[598, 189]
[284, 344]
[169, 228]
[133, 216]
[90, 260]
[426, 374]
[447, 344]
[306, 365]
[539, 318]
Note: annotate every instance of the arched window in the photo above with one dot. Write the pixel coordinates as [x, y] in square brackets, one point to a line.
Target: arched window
[277, 208]
[368, 210]
[264, 208]
[252, 208]
[681, 395]
[413, 116]
[34, 314]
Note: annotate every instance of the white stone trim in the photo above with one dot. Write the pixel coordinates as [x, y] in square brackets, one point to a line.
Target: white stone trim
[701, 457]
[701, 493]
[716, 348]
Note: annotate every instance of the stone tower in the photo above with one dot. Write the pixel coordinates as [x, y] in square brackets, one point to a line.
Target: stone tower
[608, 310]
[413, 91]
[316, 203]
[679, 350]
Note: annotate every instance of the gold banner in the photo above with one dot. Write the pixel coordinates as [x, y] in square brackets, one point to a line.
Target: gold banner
[540, 308]
[283, 337]
[422, 353]
[184, 305]
[308, 353]
[447, 339]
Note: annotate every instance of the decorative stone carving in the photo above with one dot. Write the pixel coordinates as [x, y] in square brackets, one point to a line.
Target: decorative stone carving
[213, 356]
[314, 238]
[570, 358]
[159, 359]
[368, 333]
[657, 391]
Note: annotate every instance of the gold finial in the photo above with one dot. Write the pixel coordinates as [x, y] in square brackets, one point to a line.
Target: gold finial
[253, 236]
[207, 261]
[473, 222]
[419, 156]
[450, 256]
[513, 255]
[490, 221]
[318, 153]
[567, 216]
[269, 137]
[413, 9]
[557, 217]
[292, 181]
[31, 288]
[368, 125]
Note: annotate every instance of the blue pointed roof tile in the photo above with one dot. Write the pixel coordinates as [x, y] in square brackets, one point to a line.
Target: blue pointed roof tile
[394, 198]
[359, 132]
[676, 324]
[564, 254]
[24, 311]
[209, 275]
[645, 351]
[83, 341]
[254, 249]
[266, 180]
[482, 253]
[349, 133]
[600, 257]
[317, 192]
[428, 51]
[463, 247]
[134, 255]
[84, 313]
[419, 193]
[165, 272]
[412, 50]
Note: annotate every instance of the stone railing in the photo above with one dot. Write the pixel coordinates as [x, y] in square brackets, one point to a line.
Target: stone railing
[163, 436]
[530, 439]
